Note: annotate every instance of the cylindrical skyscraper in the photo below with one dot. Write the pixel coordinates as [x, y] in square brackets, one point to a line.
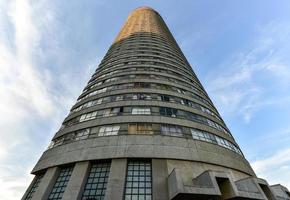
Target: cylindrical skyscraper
[144, 128]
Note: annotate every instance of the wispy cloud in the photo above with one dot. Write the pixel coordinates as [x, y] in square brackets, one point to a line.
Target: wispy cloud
[243, 84]
[33, 99]
[275, 168]
[255, 79]
[23, 91]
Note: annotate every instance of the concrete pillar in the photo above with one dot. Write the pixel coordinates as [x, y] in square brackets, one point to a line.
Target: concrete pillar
[116, 181]
[159, 178]
[46, 184]
[77, 181]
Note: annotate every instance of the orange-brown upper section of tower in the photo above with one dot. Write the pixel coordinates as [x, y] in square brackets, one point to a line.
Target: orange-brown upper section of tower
[144, 19]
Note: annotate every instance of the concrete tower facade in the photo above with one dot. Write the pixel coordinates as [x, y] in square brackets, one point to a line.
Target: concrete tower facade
[144, 128]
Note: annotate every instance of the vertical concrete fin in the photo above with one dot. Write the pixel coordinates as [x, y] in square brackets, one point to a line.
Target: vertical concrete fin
[116, 181]
[175, 183]
[46, 184]
[159, 174]
[76, 181]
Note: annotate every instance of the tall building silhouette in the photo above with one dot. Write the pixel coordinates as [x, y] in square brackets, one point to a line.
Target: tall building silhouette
[144, 128]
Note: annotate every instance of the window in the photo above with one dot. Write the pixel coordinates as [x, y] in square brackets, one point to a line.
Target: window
[180, 91]
[146, 97]
[99, 101]
[112, 111]
[204, 136]
[95, 85]
[141, 97]
[217, 126]
[164, 87]
[96, 185]
[168, 112]
[184, 101]
[141, 85]
[107, 113]
[88, 116]
[140, 128]
[34, 186]
[108, 130]
[208, 137]
[106, 99]
[138, 184]
[141, 111]
[61, 183]
[132, 76]
[171, 130]
[57, 142]
[101, 90]
[112, 79]
[165, 98]
[135, 96]
[82, 134]
[89, 104]
[119, 98]
[223, 142]
[94, 93]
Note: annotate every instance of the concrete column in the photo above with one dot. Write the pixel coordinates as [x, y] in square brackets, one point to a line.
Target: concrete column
[77, 181]
[46, 184]
[159, 178]
[29, 188]
[116, 181]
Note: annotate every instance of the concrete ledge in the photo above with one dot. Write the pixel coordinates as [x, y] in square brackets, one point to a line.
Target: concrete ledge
[142, 146]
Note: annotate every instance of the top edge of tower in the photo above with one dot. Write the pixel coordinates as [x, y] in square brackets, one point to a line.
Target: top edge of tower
[144, 19]
[144, 8]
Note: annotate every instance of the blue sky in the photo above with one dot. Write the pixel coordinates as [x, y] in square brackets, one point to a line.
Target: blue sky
[49, 49]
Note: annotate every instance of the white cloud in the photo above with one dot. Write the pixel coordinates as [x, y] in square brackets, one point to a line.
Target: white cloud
[22, 88]
[243, 84]
[252, 80]
[25, 96]
[12, 183]
[275, 168]
[34, 98]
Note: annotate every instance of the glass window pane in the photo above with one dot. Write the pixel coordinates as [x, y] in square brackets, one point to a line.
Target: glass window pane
[209, 137]
[139, 174]
[108, 130]
[95, 187]
[61, 183]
